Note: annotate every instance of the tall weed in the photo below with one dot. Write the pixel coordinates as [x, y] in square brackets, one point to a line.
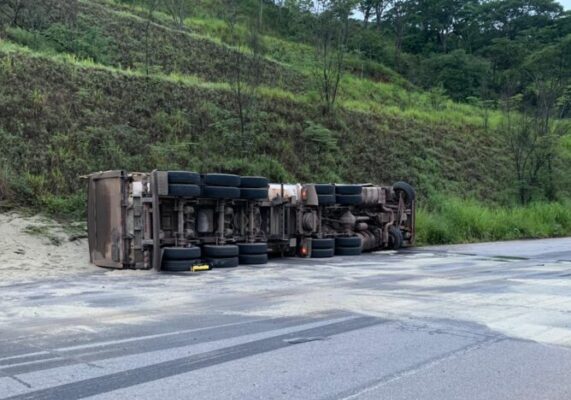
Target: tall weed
[462, 221]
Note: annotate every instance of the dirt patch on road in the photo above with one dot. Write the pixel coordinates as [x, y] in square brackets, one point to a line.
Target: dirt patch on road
[33, 248]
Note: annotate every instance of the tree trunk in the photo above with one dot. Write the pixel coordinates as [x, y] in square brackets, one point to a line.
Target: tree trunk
[378, 14]
[367, 15]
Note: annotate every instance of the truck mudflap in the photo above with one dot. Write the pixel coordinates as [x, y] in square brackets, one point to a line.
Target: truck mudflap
[106, 218]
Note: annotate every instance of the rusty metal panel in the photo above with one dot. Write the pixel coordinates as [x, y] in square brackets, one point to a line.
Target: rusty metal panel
[106, 219]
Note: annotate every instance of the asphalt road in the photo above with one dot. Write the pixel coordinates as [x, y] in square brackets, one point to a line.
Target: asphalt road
[489, 321]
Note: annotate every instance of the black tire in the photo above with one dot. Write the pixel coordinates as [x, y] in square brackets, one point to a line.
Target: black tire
[181, 253]
[227, 262]
[253, 259]
[221, 180]
[324, 188]
[254, 182]
[252, 248]
[254, 193]
[213, 251]
[349, 199]
[183, 190]
[177, 265]
[322, 253]
[184, 177]
[348, 251]
[322, 243]
[348, 189]
[409, 192]
[395, 238]
[351, 241]
[221, 192]
[326, 199]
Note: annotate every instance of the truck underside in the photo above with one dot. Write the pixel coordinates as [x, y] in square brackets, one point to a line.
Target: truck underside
[172, 220]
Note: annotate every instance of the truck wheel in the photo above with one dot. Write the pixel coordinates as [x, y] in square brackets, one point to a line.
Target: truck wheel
[221, 192]
[407, 190]
[226, 262]
[185, 177]
[253, 259]
[351, 241]
[348, 251]
[349, 199]
[326, 199]
[348, 189]
[254, 182]
[221, 180]
[181, 253]
[183, 190]
[324, 188]
[213, 251]
[254, 193]
[177, 265]
[322, 243]
[252, 248]
[322, 253]
[395, 238]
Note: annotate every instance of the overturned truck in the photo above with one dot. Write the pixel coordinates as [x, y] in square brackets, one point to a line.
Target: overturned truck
[173, 220]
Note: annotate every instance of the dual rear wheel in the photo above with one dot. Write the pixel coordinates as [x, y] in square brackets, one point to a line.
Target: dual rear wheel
[230, 255]
[180, 259]
[348, 246]
[322, 248]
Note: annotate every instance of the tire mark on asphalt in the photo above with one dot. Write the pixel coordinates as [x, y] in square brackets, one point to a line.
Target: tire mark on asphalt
[44, 354]
[136, 376]
[90, 354]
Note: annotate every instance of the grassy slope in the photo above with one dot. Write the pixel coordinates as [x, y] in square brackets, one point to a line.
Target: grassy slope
[61, 117]
[175, 51]
[58, 98]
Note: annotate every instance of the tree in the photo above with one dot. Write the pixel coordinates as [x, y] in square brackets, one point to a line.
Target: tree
[374, 7]
[434, 21]
[508, 18]
[532, 131]
[246, 70]
[178, 11]
[37, 14]
[462, 75]
[366, 7]
[151, 6]
[10, 11]
[380, 7]
[295, 18]
[549, 71]
[331, 34]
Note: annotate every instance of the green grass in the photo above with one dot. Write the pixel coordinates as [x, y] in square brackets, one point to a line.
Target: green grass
[10, 48]
[43, 231]
[453, 220]
[357, 94]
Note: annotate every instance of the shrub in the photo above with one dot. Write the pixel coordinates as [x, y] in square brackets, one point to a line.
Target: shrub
[454, 220]
[461, 74]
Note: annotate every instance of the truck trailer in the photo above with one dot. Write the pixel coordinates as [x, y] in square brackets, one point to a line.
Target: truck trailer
[174, 220]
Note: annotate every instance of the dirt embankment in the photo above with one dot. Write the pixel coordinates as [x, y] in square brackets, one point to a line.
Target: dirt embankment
[33, 248]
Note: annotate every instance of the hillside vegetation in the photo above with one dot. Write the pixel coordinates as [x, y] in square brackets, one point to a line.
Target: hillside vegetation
[272, 89]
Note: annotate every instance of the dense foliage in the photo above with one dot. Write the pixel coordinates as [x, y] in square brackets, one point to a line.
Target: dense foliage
[484, 48]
